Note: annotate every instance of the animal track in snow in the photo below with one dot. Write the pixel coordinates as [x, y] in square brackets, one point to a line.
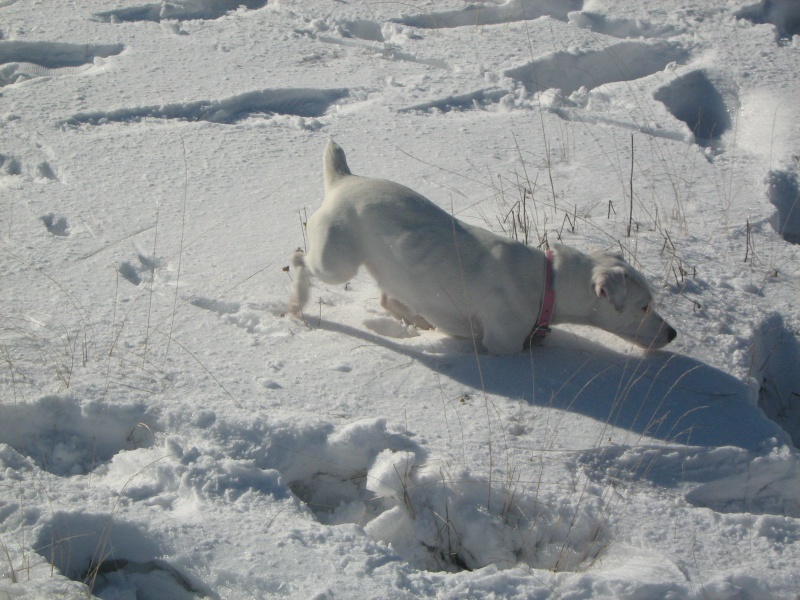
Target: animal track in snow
[56, 225]
[301, 102]
[249, 317]
[44, 170]
[137, 272]
[483, 14]
[218, 306]
[114, 558]
[359, 34]
[179, 11]
[570, 71]
[783, 14]
[65, 438]
[693, 99]
[10, 165]
[618, 27]
[27, 60]
[230, 312]
[477, 99]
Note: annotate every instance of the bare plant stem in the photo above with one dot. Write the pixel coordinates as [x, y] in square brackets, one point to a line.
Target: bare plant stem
[180, 249]
[630, 214]
[152, 281]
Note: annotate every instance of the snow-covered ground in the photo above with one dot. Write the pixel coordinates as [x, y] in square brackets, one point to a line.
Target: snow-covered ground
[166, 432]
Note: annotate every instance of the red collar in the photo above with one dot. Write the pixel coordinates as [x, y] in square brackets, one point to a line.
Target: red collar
[542, 327]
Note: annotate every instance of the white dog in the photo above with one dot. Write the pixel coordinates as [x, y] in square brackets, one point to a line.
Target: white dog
[435, 271]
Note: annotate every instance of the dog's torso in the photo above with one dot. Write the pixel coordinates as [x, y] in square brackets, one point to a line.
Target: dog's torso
[455, 275]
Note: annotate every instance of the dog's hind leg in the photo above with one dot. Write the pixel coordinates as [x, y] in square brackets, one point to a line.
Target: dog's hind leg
[333, 258]
[402, 312]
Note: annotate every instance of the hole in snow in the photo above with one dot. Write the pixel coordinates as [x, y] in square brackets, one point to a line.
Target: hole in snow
[64, 438]
[362, 30]
[113, 559]
[784, 193]
[434, 519]
[783, 14]
[328, 469]
[55, 55]
[569, 71]
[776, 355]
[693, 99]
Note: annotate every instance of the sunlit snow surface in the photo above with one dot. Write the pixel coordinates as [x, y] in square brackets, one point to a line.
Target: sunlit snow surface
[167, 432]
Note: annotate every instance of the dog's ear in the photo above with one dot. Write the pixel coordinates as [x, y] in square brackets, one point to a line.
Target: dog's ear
[609, 282]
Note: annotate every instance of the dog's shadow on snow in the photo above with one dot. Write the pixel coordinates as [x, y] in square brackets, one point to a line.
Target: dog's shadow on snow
[660, 394]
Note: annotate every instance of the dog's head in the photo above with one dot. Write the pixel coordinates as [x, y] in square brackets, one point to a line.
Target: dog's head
[624, 304]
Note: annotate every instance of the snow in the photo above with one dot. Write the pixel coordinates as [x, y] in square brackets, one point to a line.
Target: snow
[167, 432]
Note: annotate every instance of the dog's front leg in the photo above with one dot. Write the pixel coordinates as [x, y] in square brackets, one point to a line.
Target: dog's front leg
[502, 336]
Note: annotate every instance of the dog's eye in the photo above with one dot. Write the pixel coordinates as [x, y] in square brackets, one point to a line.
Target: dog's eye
[646, 308]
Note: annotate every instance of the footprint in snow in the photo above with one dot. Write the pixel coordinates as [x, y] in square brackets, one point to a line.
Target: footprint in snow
[138, 271]
[56, 225]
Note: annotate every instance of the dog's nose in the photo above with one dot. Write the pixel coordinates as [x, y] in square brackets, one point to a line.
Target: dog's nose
[671, 333]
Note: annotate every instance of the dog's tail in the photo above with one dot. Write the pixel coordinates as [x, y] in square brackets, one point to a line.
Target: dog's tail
[301, 286]
[334, 164]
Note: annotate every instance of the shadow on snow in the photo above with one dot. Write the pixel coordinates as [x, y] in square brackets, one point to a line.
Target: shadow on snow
[661, 395]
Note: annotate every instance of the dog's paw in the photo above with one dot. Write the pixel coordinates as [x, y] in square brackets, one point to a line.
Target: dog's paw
[293, 309]
[391, 328]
